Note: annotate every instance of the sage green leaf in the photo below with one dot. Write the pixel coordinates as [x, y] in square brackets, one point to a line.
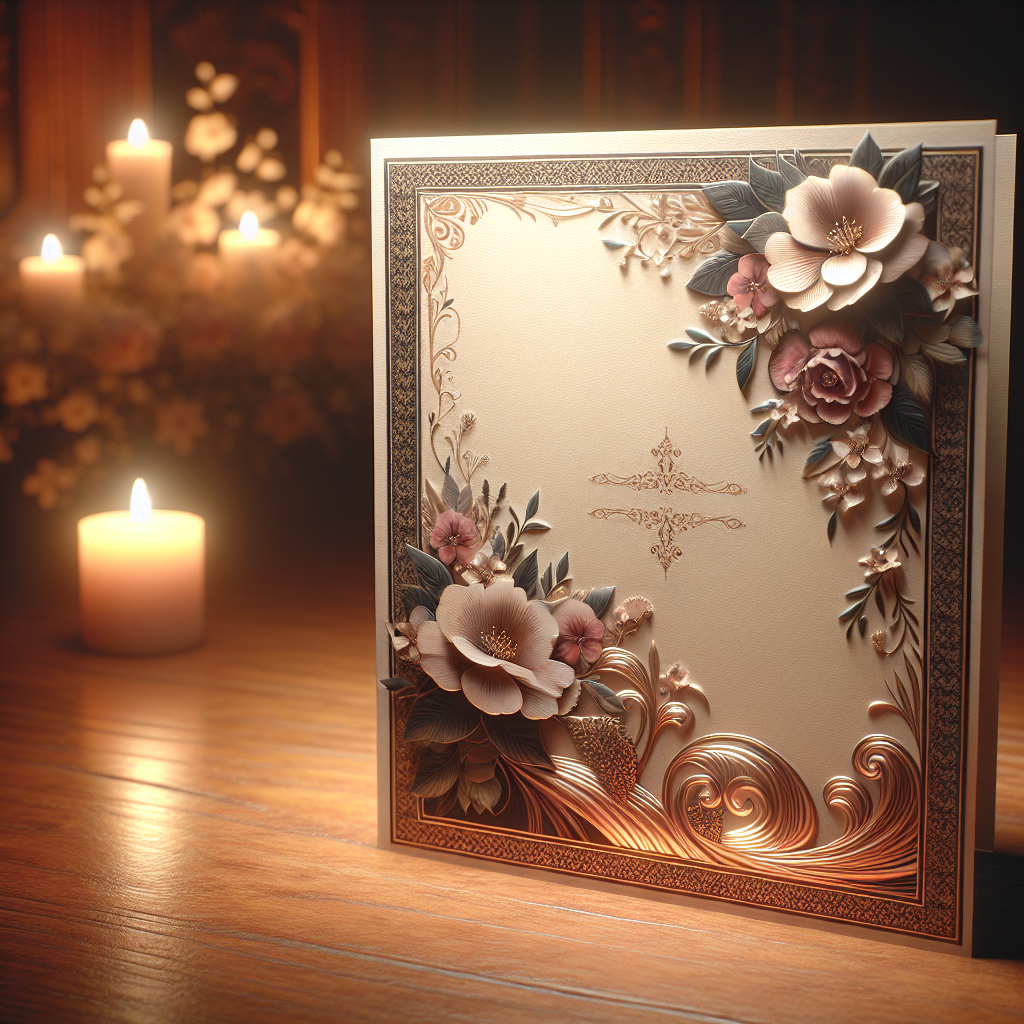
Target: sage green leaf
[527, 572]
[613, 243]
[598, 599]
[867, 156]
[902, 173]
[791, 174]
[536, 526]
[605, 696]
[745, 363]
[763, 228]
[712, 276]
[768, 186]
[415, 597]
[906, 420]
[821, 448]
[450, 492]
[734, 200]
[563, 568]
[433, 575]
[966, 333]
[532, 505]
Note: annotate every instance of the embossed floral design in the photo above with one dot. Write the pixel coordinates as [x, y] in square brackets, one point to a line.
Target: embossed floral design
[846, 235]
[580, 633]
[843, 494]
[898, 470]
[750, 286]
[946, 275]
[832, 371]
[404, 634]
[855, 449]
[879, 563]
[455, 538]
[495, 645]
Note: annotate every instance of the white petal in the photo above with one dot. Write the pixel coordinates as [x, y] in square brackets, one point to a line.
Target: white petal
[844, 270]
[846, 296]
[491, 690]
[794, 268]
[538, 705]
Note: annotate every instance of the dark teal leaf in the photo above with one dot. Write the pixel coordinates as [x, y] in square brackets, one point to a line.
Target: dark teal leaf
[547, 581]
[740, 226]
[912, 296]
[915, 519]
[745, 363]
[822, 447]
[879, 600]
[764, 406]
[734, 200]
[712, 355]
[903, 172]
[395, 684]
[965, 333]
[849, 613]
[605, 696]
[450, 491]
[905, 419]
[701, 337]
[441, 716]
[562, 569]
[763, 228]
[791, 175]
[867, 156]
[527, 572]
[532, 505]
[882, 308]
[433, 575]
[414, 597]
[536, 526]
[761, 428]
[712, 276]
[517, 738]
[928, 196]
[862, 624]
[598, 599]
[437, 772]
[768, 186]
[857, 591]
[832, 520]
[498, 543]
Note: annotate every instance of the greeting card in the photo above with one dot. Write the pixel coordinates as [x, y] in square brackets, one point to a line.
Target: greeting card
[681, 443]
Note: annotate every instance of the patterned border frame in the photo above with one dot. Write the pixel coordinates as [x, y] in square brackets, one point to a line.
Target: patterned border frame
[936, 913]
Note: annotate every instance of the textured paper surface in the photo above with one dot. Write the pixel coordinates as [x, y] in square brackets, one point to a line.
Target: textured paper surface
[562, 356]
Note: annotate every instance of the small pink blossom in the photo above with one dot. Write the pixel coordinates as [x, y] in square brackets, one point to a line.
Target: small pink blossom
[750, 286]
[580, 633]
[455, 537]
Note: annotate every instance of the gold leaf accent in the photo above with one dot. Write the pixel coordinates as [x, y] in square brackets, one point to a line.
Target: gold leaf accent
[607, 750]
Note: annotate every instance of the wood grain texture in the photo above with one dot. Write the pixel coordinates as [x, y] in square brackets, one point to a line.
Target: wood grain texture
[192, 838]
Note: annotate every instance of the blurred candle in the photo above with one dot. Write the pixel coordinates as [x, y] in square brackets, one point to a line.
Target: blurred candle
[142, 167]
[51, 283]
[141, 579]
[249, 250]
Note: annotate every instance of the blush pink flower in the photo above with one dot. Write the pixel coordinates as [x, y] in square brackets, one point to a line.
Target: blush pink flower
[455, 537]
[580, 633]
[494, 645]
[832, 373]
[846, 235]
[749, 286]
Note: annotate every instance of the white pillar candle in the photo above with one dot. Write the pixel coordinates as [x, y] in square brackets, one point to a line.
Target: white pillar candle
[141, 579]
[142, 167]
[52, 284]
[249, 252]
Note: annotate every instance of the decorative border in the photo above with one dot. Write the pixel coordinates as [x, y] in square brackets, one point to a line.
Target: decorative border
[937, 911]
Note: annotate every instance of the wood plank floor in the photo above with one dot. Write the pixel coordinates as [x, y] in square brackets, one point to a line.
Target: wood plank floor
[192, 838]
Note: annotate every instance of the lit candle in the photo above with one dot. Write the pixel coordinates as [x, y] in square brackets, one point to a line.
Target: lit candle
[51, 283]
[141, 578]
[142, 167]
[247, 251]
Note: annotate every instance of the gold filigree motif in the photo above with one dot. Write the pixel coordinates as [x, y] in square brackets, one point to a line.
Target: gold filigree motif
[666, 478]
[607, 750]
[669, 524]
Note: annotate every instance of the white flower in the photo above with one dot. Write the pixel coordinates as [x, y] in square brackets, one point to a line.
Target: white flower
[223, 87]
[855, 448]
[898, 470]
[209, 135]
[198, 99]
[218, 188]
[842, 494]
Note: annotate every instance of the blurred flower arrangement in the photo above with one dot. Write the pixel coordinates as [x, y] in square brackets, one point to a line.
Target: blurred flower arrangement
[167, 348]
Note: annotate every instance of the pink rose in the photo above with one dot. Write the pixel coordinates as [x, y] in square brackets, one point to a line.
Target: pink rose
[455, 537]
[832, 372]
[580, 633]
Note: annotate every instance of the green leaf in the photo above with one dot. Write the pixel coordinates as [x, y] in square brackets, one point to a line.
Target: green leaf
[761, 428]
[902, 173]
[414, 597]
[437, 772]
[536, 526]
[702, 337]
[966, 333]
[880, 601]
[613, 243]
[915, 519]
[712, 276]
[791, 175]
[734, 200]
[517, 738]
[547, 581]
[433, 575]
[532, 505]
[605, 696]
[745, 363]
[862, 624]
[763, 228]
[867, 156]
[768, 186]
[905, 419]
[441, 716]
[527, 572]
[712, 355]
[849, 613]
[831, 528]
[396, 684]
[857, 591]
[598, 599]
[739, 226]
[928, 196]
[681, 344]
[562, 569]
[881, 307]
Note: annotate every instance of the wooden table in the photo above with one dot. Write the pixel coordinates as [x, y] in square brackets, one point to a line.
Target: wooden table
[192, 838]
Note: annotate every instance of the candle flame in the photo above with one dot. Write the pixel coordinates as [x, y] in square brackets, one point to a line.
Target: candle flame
[141, 506]
[51, 251]
[249, 226]
[138, 135]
